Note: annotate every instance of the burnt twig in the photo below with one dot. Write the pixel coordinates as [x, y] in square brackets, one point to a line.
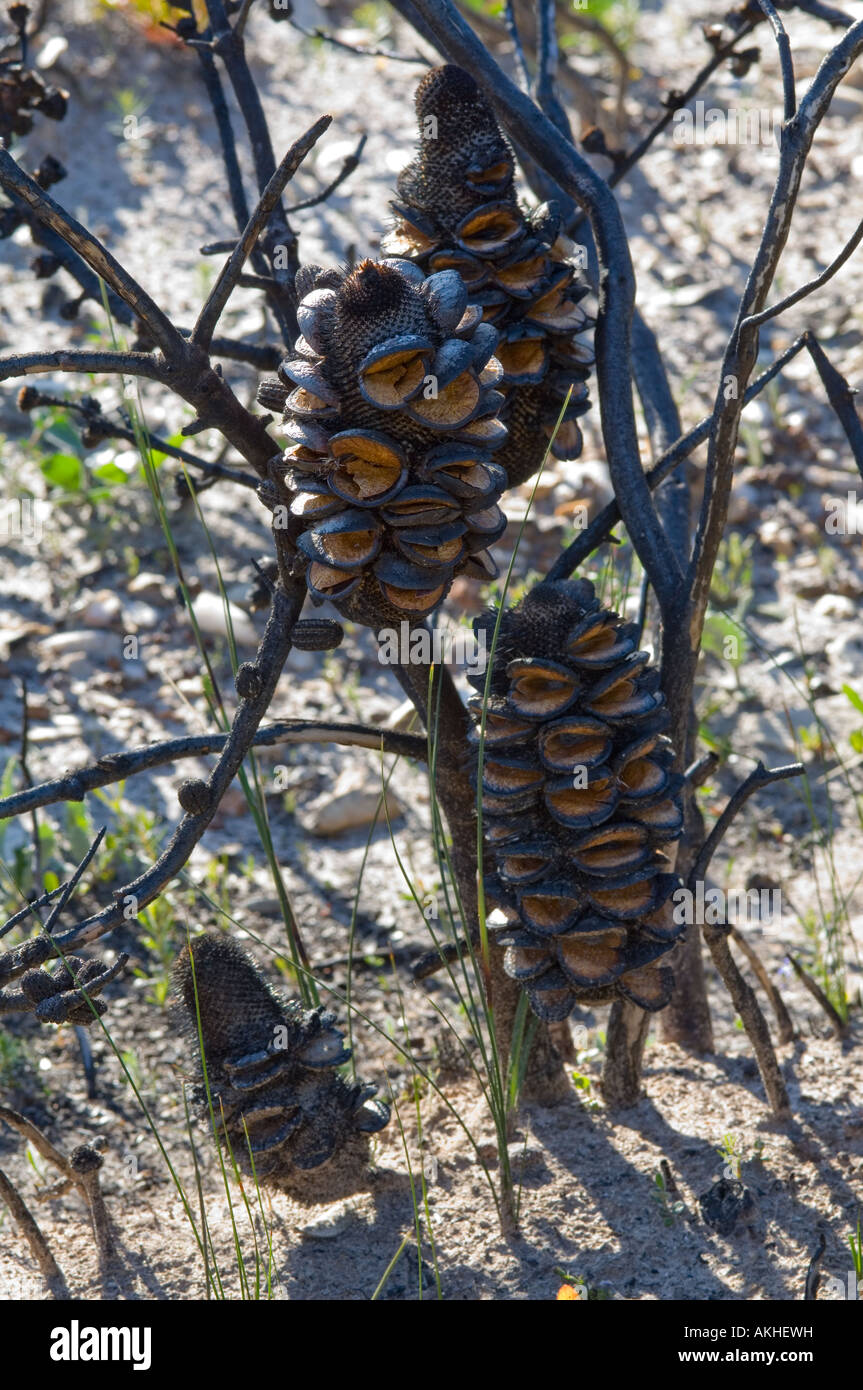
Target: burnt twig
[323, 37]
[839, 1027]
[350, 163]
[115, 767]
[39, 1248]
[784, 1025]
[81, 1170]
[761, 776]
[142, 364]
[601, 527]
[14, 180]
[545, 88]
[185, 367]
[774, 310]
[676, 101]
[840, 396]
[813, 1272]
[747, 1006]
[785, 60]
[97, 426]
[518, 50]
[228, 45]
[272, 654]
[221, 291]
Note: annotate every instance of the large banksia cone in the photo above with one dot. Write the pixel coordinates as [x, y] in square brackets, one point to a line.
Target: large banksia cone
[457, 209]
[271, 1069]
[391, 411]
[579, 801]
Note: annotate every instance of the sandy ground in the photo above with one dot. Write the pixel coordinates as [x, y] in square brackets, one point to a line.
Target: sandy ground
[587, 1200]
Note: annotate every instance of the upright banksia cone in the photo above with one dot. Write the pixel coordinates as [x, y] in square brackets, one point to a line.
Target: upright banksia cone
[578, 802]
[271, 1068]
[457, 209]
[390, 406]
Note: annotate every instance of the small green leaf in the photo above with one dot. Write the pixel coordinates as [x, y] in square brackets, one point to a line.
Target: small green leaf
[63, 470]
[856, 740]
[50, 880]
[855, 699]
[110, 473]
[179, 441]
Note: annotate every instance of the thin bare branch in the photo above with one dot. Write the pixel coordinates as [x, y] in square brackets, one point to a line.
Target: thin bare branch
[518, 50]
[545, 87]
[230, 273]
[760, 777]
[774, 310]
[675, 102]
[58, 907]
[351, 162]
[601, 527]
[272, 654]
[838, 19]
[361, 52]
[747, 1006]
[786, 62]
[785, 1027]
[739, 359]
[29, 1228]
[115, 767]
[143, 364]
[32, 909]
[99, 426]
[14, 181]
[229, 46]
[33, 1135]
[840, 1028]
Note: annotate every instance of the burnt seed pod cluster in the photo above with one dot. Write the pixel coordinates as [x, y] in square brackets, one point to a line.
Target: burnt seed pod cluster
[391, 413]
[457, 209]
[390, 408]
[68, 992]
[580, 803]
[23, 94]
[271, 1068]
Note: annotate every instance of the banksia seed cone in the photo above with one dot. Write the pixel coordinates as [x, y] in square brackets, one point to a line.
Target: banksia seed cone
[578, 801]
[271, 1068]
[457, 210]
[391, 411]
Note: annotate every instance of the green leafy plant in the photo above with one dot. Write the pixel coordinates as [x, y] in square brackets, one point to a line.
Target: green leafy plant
[731, 1156]
[669, 1206]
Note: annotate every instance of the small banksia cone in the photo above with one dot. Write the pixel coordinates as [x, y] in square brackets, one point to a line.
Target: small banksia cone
[457, 209]
[271, 1068]
[390, 407]
[579, 802]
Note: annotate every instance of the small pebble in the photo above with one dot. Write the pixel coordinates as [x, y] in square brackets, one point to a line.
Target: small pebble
[333, 1223]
